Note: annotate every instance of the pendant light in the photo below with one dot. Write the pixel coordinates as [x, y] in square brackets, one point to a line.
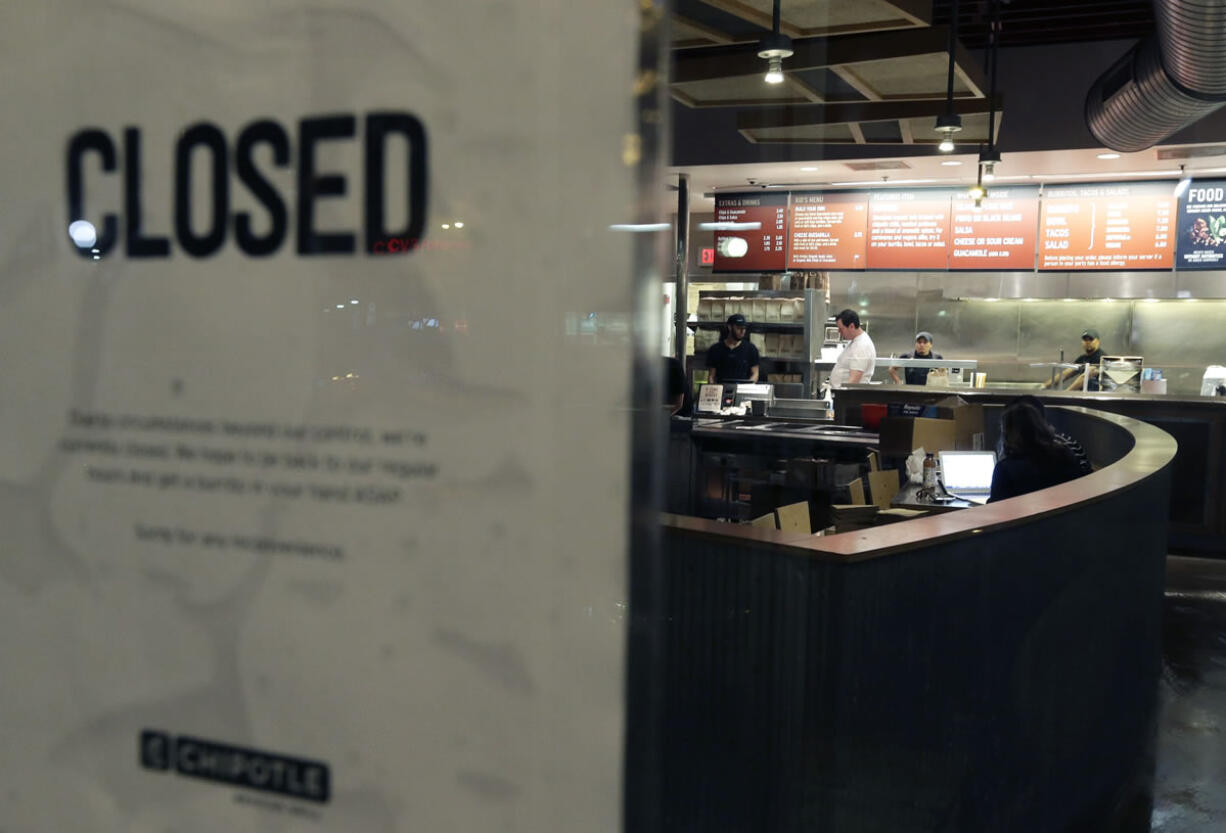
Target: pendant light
[989, 156]
[774, 48]
[949, 122]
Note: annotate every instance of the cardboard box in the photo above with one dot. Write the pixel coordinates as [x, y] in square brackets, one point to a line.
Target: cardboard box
[855, 490]
[891, 516]
[899, 436]
[882, 486]
[967, 419]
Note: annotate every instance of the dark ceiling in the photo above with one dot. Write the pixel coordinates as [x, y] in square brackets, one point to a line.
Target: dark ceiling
[1039, 22]
[1052, 52]
[1024, 22]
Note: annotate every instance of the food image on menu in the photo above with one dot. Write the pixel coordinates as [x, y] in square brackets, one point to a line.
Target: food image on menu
[1208, 231]
[1202, 226]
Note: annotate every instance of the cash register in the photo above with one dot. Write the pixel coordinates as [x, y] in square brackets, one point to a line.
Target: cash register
[735, 398]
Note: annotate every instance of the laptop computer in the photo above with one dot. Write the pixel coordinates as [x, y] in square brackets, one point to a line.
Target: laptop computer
[968, 474]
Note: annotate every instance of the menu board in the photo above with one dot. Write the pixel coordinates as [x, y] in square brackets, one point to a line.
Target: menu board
[760, 245]
[828, 231]
[1111, 226]
[1202, 226]
[999, 233]
[908, 229]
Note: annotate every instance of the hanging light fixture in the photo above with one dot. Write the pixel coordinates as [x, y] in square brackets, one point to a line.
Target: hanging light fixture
[774, 48]
[989, 156]
[978, 192]
[988, 159]
[949, 122]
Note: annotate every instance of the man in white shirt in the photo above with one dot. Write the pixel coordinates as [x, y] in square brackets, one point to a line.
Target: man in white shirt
[859, 357]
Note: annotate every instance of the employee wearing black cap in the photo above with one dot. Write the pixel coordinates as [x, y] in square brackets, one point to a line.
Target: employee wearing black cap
[1091, 355]
[923, 350]
[734, 358]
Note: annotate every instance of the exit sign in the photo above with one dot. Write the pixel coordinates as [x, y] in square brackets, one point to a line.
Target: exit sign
[707, 257]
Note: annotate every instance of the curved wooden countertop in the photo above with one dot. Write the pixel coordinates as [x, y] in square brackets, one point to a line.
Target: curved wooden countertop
[1153, 450]
[1061, 397]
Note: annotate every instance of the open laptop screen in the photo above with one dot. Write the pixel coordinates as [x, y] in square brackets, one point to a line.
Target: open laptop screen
[967, 471]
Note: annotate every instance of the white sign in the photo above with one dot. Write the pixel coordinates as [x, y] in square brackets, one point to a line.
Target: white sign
[312, 518]
[711, 398]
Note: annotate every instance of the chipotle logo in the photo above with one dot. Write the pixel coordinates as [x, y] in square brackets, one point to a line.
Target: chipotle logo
[236, 766]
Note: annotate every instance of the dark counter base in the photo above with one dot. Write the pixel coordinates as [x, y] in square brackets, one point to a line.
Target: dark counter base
[978, 688]
[993, 670]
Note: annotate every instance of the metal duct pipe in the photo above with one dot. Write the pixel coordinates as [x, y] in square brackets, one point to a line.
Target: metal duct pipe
[1163, 84]
[1192, 34]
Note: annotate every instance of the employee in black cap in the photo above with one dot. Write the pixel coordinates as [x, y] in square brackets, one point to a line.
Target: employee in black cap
[923, 350]
[1091, 355]
[734, 358]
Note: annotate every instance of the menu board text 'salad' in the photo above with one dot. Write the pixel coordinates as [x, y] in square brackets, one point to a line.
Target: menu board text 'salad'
[1117, 226]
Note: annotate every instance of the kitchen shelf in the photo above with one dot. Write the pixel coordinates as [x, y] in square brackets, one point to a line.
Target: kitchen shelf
[810, 324]
[752, 326]
[792, 359]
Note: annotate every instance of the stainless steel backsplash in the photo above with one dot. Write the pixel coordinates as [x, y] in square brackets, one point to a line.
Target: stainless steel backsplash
[1008, 320]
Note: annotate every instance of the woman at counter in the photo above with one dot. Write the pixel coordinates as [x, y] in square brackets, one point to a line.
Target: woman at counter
[1033, 457]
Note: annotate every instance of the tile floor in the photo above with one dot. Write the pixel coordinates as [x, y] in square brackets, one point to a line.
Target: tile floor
[1190, 778]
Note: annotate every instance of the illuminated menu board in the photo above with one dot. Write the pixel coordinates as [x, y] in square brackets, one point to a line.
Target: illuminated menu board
[1110, 226]
[827, 231]
[908, 229]
[1201, 230]
[998, 234]
[758, 244]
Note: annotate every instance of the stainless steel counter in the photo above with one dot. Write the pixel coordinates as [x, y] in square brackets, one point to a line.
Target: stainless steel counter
[741, 467]
[754, 429]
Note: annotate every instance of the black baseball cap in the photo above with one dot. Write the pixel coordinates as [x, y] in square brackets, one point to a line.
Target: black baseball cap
[925, 335]
[737, 319]
[1090, 333]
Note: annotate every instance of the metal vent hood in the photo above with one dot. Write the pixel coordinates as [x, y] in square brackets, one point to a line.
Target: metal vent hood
[1165, 82]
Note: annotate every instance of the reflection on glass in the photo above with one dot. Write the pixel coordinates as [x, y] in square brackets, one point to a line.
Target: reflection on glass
[83, 234]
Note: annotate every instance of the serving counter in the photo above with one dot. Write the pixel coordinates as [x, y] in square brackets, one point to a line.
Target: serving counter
[991, 669]
[740, 468]
[1197, 505]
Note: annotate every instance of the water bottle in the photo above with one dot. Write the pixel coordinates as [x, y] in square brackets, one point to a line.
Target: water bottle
[930, 473]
